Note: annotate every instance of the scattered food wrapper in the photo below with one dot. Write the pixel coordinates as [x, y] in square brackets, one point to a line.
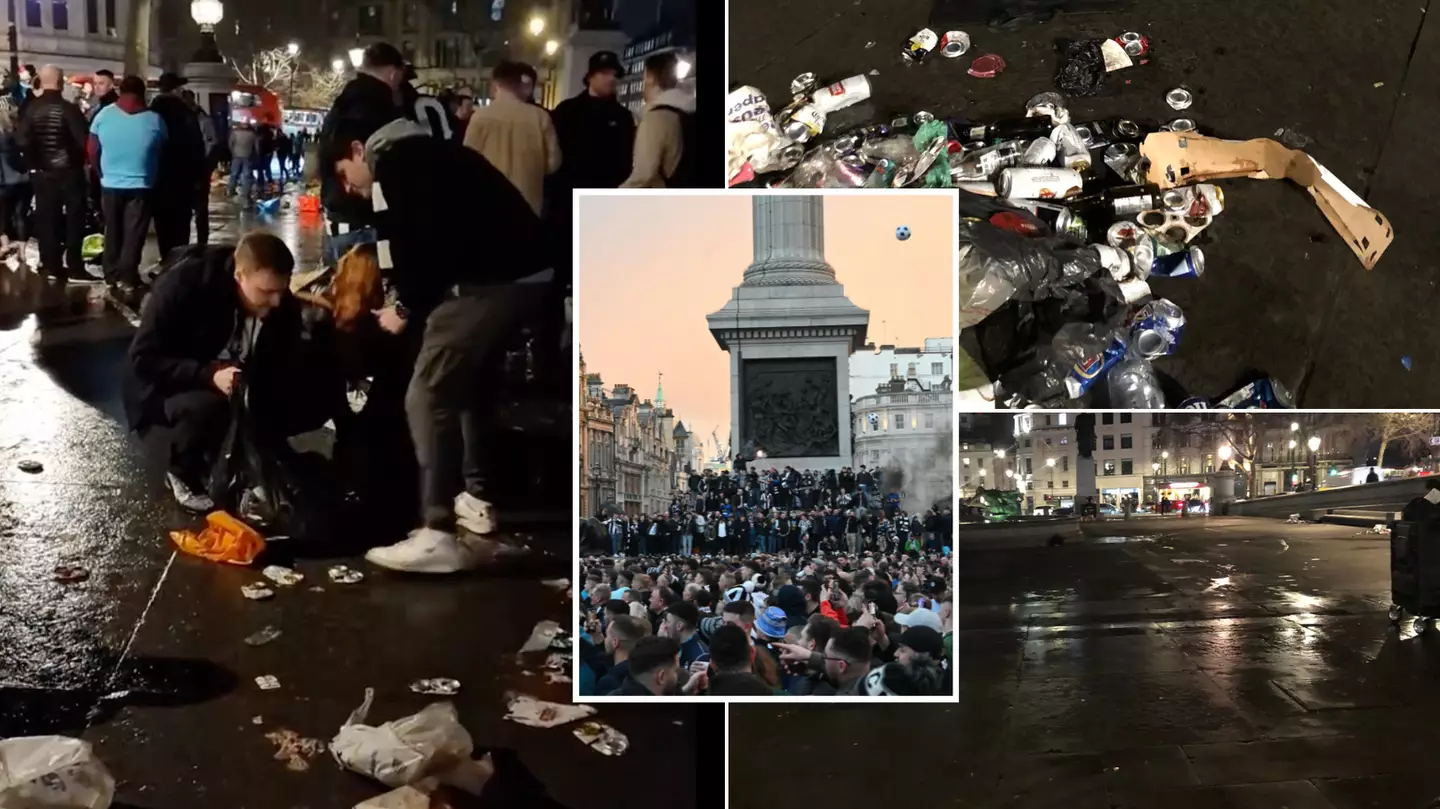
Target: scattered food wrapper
[541, 637]
[257, 720]
[340, 574]
[531, 712]
[257, 592]
[263, 637]
[557, 662]
[267, 682]
[225, 538]
[557, 584]
[54, 772]
[283, 576]
[294, 749]
[1380, 529]
[31, 467]
[406, 797]
[436, 686]
[557, 677]
[317, 589]
[70, 574]
[603, 738]
[404, 751]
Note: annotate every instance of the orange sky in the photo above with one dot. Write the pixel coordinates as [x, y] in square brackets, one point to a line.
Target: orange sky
[652, 267]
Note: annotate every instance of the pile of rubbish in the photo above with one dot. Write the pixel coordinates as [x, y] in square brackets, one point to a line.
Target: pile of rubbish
[1063, 222]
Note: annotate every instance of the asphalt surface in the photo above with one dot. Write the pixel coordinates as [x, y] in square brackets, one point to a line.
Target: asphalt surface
[1282, 293]
[1181, 663]
[146, 658]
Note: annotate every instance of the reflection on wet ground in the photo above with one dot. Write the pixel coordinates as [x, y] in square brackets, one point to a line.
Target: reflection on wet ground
[145, 656]
[1219, 662]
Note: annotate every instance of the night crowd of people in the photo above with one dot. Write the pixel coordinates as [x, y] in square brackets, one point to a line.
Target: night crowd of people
[767, 624]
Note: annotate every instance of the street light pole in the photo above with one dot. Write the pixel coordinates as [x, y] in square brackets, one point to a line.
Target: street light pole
[294, 50]
[1314, 444]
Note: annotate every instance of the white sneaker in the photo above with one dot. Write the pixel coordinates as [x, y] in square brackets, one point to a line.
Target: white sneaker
[426, 550]
[188, 498]
[474, 515]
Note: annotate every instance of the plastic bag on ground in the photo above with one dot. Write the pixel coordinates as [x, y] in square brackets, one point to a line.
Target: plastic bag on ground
[404, 751]
[224, 539]
[52, 772]
[1082, 68]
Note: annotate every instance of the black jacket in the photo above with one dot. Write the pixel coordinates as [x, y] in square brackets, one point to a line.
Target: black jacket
[482, 232]
[182, 156]
[737, 685]
[53, 134]
[631, 689]
[101, 103]
[364, 98]
[597, 142]
[188, 322]
[613, 679]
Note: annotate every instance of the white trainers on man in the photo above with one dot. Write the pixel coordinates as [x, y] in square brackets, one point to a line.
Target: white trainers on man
[474, 515]
[426, 550]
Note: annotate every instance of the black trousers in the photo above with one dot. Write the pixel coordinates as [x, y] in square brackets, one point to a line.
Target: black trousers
[60, 220]
[127, 222]
[198, 420]
[14, 211]
[173, 208]
[202, 213]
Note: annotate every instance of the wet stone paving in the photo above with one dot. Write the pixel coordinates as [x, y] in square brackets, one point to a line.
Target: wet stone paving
[146, 658]
[1205, 662]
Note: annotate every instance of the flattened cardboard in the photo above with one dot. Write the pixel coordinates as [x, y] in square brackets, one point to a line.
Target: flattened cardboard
[1184, 158]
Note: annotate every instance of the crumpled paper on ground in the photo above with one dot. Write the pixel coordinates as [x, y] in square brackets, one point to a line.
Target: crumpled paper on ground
[52, 772]
[224, 539]
[403, 751]
[531, 712]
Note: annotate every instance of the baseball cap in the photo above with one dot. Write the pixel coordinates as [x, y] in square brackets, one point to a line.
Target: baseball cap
[919, 618]
[605, 60]
[171, 81]
[924, 639]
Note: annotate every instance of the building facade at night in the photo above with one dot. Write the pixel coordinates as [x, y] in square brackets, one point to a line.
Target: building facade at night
[79, 36]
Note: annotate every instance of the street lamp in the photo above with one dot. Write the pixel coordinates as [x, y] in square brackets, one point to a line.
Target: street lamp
[1165, 462]
[537, 25]
[338, 65]
[682, 69]
[551, 47]
[357, 55]
[1225, 453]
[294, 50]
[1314, 445]
[207, 14]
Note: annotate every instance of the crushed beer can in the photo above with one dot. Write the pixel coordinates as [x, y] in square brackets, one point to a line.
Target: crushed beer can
[268, 682]
[1084, 374]
[1185, 264]
[1134, 43]
[1134, 290]
[804, 122]
[954, 44]
[1051, 105]
[283, 576]
[1114, 260]
[436, 686]
[602, 738]
[1179, 99]
[1040, 152]
[1180, 125]
[987, 67]
[1195, 403]
[803, 84]
[1262, 394]
[1155, 329]
[341, 574]
[1035, 182]
[748, 104]
[920, 45]
[1122, 158]
[1132, 238]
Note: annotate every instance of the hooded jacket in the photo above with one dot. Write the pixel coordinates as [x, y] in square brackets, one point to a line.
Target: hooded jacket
[660, 142]
[364, 98]
[182, 158]
[482, 233]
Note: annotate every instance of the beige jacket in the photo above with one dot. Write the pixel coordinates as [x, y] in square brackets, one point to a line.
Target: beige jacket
[519, 140]
[658, 141]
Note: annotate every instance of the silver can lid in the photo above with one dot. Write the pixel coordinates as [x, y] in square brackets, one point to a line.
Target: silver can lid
[1179, 99]
[802, 84]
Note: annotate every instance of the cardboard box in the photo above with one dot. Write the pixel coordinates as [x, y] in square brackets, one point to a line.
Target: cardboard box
[1184, 158]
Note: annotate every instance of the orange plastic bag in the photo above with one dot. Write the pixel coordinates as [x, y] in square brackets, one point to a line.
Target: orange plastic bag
[225, 539]
[309, 203]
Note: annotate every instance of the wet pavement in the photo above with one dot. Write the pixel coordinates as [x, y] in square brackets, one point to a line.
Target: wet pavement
[1233, 662]
[146, 657]
[1282, 292]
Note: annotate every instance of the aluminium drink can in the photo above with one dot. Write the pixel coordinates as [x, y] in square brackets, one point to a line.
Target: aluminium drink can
[1034, 182]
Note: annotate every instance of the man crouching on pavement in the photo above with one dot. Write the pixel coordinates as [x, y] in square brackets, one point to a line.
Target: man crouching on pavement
[461, 246]
[217, 313]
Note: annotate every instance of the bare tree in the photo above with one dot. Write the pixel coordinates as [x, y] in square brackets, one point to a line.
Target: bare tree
[1407, 431]
[271, 69]
[317, 87]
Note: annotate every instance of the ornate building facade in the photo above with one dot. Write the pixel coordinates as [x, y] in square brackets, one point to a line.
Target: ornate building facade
[80, 36]
[628, 459]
